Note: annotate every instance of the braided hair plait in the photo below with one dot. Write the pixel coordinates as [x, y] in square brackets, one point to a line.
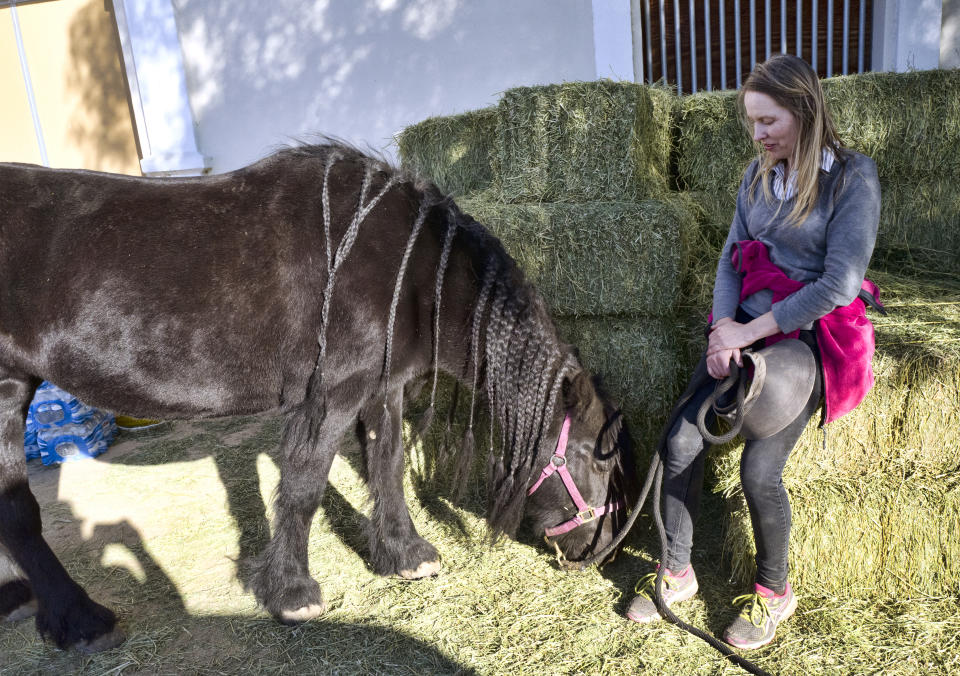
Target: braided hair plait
[492, 356]
[385, 427]
[316, 396]
[465, 459]
[437, 293]
[392, 316]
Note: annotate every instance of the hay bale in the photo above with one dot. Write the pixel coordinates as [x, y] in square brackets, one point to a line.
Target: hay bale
[714, 213]
[454, 151]
[909, 123]
[919, 228]
[597, 258]
[583, 141]
[887, 536]
[713, 148]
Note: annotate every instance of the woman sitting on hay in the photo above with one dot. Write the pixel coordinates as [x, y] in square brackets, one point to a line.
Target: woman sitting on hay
[793, 267]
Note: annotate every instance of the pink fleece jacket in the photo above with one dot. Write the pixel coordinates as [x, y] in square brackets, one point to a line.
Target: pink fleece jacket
[844, 336]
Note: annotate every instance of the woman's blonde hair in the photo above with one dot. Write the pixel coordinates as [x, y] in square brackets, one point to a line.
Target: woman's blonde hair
[794, 85]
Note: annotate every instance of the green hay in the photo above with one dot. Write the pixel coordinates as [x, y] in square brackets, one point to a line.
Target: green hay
[881, 536]
[583, 141]
[598, 258]
[492, 610]
[920, 225]
[909, 123]
[712, 213]
[454, 152]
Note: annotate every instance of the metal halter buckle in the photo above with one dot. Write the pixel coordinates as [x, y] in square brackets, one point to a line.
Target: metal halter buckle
[589, 514]
[558, 460]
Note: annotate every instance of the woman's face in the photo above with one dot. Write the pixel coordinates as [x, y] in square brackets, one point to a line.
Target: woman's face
[773, 126]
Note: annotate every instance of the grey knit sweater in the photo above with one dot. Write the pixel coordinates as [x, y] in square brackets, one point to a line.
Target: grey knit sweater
[829, 251]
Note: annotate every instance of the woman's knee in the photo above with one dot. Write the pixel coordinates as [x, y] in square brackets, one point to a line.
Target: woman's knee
[760, 480]
[684, 445]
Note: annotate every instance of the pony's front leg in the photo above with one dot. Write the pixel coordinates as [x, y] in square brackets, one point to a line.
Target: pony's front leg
[64, 611]
[395, 546]
[280, 577]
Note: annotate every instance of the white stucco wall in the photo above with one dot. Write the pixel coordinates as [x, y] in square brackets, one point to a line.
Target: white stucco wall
[906, 34]
[260, 74]
[950, 35]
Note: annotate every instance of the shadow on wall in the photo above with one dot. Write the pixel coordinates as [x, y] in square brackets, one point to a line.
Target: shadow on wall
[266, 72]
[101, 123]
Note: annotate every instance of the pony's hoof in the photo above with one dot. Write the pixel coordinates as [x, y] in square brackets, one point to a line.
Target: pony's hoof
[16, 599]
[28, 609]
[425, 569]
[303, 613]
[109, 640]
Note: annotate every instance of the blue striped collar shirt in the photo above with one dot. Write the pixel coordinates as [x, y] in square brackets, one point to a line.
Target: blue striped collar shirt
[787, 191]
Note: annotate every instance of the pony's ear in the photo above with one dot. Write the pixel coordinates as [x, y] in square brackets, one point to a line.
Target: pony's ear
[579, 394]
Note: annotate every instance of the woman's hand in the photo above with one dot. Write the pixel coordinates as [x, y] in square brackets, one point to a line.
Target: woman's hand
[718, 358]
[718, 363]
[728, 337]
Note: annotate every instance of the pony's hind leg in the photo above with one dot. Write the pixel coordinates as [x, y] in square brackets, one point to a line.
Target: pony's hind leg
[279, 577]
[64, 611]
[395, 546]
[16, 597]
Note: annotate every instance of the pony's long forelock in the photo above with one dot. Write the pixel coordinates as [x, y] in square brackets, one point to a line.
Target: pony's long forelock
[525, 367]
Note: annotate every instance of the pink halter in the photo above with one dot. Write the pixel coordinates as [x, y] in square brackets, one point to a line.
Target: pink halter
[558, 464]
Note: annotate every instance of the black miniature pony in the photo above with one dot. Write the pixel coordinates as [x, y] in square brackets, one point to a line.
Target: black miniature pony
[316, 282]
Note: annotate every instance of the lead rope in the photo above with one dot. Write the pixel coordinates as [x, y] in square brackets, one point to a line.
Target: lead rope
[655, 479]
[737, 377]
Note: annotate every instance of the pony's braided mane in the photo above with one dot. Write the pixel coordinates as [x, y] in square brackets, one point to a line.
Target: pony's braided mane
[513, 347]
[523, 363]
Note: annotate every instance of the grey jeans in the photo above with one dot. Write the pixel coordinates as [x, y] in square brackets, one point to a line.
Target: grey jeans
[761, 475]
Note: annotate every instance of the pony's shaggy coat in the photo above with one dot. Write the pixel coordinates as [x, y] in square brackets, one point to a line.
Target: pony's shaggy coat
[316, 282]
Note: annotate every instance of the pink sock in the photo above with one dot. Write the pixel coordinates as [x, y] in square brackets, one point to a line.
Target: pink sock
[769, 593]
